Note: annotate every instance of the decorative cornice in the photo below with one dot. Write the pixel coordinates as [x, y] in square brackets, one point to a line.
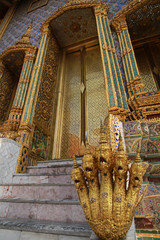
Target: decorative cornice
[23, 44]
[25, 39]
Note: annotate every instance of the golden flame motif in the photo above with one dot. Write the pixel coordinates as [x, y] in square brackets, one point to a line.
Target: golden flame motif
[108, 203]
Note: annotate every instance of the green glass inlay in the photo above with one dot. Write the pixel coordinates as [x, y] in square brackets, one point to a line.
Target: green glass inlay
[110, 90]
[19, 93]
[25, 86]
[124, 59]
[100, 30]
[131, 53]
[29, 70]
[34, 78]
[115, 80]
[104, 28]
[134, 64]
[23, 69]
[26, 69]
[109, 33]
[38, 78]
[22, 84]
[129, 64]
[19, 88]
[120, 82]
[147, 238]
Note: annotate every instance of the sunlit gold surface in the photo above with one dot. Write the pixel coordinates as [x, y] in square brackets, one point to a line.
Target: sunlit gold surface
[108, 202]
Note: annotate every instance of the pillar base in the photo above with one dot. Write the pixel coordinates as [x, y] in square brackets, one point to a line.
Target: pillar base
[145, 105]
[121, 113]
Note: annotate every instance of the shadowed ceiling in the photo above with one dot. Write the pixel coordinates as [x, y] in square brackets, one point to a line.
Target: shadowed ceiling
[14, 62]
[74, 26]
[145, 21]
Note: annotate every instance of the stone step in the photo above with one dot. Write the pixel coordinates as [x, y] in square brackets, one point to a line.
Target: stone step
[44, 209]
[59, 162]
[53, 166]
[49, 169]
[40, 230]
[42, 178]
[39, 191]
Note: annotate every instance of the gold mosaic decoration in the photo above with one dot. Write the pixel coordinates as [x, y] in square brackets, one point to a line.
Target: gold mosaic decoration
[72, 106]
[109, 208]
[96, 94]
[46, 101]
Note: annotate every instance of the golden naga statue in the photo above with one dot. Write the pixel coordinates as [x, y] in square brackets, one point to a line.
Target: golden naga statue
[108, 189]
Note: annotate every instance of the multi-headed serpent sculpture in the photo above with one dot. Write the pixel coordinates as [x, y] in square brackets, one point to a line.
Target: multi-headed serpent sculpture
[108, 203]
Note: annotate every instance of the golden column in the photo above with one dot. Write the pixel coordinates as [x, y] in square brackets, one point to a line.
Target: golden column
[23, 84]
[26, 126]
[134, 81]
[5, 22]
[116, 96]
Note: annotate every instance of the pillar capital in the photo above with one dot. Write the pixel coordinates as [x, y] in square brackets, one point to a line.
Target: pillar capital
[101, 9]
[120, 24]
[45, 29]
[30, 54]
[123, 23]
[97, 10]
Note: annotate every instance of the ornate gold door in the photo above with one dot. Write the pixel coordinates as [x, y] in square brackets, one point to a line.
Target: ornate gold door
[84, 100]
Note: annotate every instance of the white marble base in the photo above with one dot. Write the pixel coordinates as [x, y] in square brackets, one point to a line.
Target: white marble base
[22, 235]
[9, 151]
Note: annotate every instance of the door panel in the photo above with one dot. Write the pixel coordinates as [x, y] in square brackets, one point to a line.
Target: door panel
[96, 95]
[72, 107]
[84, 99]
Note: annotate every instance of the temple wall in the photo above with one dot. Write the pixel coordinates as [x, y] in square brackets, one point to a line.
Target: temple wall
[147, 134]
[9, 151]
[21, 20]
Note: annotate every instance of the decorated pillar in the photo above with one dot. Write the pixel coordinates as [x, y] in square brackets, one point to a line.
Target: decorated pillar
[26, 127]
[23, 84]
[118, 81]
[134, 81]
[116, 95]
[7, 18]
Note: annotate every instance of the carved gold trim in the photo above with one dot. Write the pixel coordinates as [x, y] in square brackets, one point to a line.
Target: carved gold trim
[41, 4]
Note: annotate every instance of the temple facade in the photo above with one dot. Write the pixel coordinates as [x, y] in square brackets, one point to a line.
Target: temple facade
[64, 67]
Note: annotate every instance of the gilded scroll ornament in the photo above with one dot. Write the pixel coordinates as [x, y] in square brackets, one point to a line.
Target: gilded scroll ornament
[44, 109]
[108, 203]
[48, 89]
[49, 70]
